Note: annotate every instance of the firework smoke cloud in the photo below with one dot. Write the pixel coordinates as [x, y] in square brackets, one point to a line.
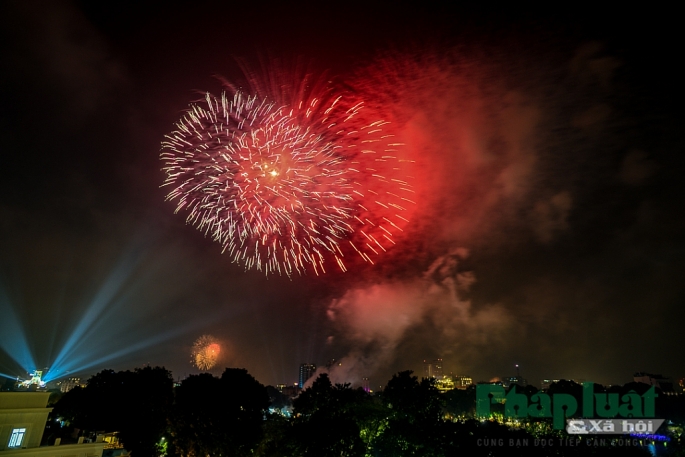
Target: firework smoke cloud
[500, 144]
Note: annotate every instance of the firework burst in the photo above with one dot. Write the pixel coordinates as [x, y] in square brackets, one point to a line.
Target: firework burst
[205, 353]
[287, 186]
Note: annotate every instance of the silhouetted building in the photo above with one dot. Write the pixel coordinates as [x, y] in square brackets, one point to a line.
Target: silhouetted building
[546, 383]
[656, 380]
[333, 363]
[291, 391]
[432, 368]
[365, 385]
[306, 371]
[511, 380]
[518, 379]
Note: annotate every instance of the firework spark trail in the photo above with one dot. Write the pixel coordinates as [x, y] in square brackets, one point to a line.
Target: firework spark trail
[287, 187]
[205, 353]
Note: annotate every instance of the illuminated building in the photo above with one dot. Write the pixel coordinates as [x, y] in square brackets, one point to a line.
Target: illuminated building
[68, 384]
[432, 369]
[22, 420]
[111, 441]
[365, 385]
[35, 380]
[445, 384]
[306, 371]
[462, 382]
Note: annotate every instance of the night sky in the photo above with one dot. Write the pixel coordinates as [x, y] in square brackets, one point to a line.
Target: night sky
[549, 226]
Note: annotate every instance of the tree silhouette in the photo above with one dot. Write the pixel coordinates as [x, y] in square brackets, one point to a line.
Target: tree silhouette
[415, 425]
[327, 420]
[218, 416]
[134, 403]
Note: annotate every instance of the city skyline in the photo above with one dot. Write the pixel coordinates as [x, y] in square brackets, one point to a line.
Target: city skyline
[546, 232]
[308, 372]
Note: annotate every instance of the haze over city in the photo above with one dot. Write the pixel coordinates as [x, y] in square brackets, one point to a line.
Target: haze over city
[547, 229]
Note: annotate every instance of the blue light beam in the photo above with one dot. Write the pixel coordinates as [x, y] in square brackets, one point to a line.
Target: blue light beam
[98, 306]
[85, 361]
[12, 336]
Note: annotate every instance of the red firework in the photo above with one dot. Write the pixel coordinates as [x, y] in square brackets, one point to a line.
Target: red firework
[287, 185]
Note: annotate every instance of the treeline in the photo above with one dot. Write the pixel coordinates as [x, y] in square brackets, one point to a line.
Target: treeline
[229, 416]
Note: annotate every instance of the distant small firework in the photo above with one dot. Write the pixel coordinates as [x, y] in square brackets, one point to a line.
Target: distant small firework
[206, 352]
[289, 183]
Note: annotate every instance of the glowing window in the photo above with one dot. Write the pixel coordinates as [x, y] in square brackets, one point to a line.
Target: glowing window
[17, 437]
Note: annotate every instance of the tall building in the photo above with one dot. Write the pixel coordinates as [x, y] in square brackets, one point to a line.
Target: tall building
[306, 371]
[437, 368]
[432, 368]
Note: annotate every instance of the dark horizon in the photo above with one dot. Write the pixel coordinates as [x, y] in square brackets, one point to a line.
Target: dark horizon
[548, 233]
